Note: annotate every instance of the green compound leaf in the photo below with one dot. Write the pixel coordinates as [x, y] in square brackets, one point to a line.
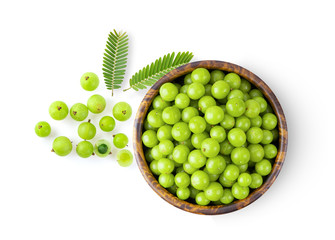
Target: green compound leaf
[115, 60]
[153, 72]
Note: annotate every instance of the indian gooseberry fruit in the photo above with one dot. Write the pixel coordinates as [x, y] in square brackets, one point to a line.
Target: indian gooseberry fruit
[89, 81]
[62, 146]
[96, 103]
[58, 110]
[42, 129]
[84, 149]
[122, 111]
[87, 130]
[107, 124]
[102, 148]
[124, 158]
[79, 112]
[120, 140]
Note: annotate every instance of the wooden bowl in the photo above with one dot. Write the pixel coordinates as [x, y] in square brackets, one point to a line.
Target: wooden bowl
[138, 146]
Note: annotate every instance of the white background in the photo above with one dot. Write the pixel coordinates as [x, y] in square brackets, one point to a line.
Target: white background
[46, 47]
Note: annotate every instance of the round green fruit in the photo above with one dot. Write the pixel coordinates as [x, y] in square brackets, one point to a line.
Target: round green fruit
[122, 111]
[214, 191]
[120, 140]
[201, 75]
[86, 130]
[62, 146]
[239, 192]
[89, 81]
[84, 149]
[96, 103]
[79, 112]
[107, 124]
[58, 110]
[42, 129]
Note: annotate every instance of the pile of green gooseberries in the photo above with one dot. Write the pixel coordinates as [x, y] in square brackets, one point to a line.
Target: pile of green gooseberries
[210, 137]
[96, 104]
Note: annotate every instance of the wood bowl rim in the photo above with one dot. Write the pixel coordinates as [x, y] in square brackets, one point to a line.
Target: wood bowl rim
[138, 147]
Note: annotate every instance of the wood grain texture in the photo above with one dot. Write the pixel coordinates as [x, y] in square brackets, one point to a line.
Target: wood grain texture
[138, 147]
